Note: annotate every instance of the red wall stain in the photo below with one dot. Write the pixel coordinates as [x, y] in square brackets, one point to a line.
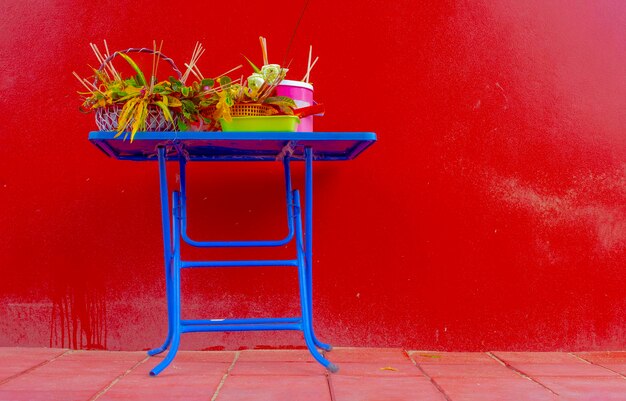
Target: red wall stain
[491, 214]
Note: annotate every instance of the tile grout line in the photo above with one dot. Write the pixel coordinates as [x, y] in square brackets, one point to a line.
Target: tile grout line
[230, 368]
[26, 371]
[434, 383]
[595, 364]
[331, 389]
[519, 372]
[117, 379]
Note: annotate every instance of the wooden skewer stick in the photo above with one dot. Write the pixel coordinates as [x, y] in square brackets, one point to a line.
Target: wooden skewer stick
[81, 81]
[116, 75]
[93, 86]
[197, 53]
[107, 68]
[193, 71]
[215, 90]
[195, 62]
[95, 51]
[90, 84]
[94, 48]
[197, 70]
[308, 73]
[156, 66]
[193, 54]
[154, 49]
[264, 50]
[229, 71]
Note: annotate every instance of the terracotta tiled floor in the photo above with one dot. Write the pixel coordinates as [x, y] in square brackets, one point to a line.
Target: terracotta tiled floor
[32, 374]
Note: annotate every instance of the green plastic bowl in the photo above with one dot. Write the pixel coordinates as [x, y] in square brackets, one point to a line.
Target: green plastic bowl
[261, 123]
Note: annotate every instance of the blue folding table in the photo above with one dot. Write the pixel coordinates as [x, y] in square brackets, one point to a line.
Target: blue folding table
[285, 147]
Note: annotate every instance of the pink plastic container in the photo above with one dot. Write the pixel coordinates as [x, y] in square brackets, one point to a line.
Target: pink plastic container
[302, 94]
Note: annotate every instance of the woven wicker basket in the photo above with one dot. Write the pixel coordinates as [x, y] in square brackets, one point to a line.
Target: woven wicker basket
[107, 117]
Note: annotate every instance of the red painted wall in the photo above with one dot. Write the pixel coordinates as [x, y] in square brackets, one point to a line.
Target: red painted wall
[490, 215]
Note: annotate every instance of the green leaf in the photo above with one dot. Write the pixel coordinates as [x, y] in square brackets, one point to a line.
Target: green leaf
[188, 105]
[173, 101]
[286, 109]
[185, 91]
[124, 98]
[181, 125]
[141, 79]
[166, 110]
[254, 67]
[208, 82]
[131, 82]
[207, 102]
[280, 100]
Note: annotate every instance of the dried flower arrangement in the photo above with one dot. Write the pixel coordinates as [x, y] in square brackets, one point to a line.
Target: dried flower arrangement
[130, 105]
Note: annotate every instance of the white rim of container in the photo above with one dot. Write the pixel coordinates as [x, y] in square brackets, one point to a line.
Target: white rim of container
[297, 84]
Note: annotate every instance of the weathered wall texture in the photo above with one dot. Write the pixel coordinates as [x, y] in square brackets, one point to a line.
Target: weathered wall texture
[490, 215]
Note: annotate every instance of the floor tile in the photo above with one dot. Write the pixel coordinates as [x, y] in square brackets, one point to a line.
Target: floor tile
[174, 394]
[606, 356]
[398, 369]
[275, 388]
[347, 388]
[563, 369]
[587, 388]
[427, 357]
[378, 355]
[178, 369]
[365, 374]
[276, 355]
[74, 372]
[55, 383]
[103, 356]
[259, 368]
[616, 367]
[17, 360]
[469, 370]
[66, 366]
[493, 389]
[181, 380]
[38, 395]
[536, 357]
[204, 356]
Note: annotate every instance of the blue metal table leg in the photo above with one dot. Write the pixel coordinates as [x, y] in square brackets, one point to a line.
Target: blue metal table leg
[167, 246]
[173, 264]
[308, 154]
[307, 323]
[175, 292]
[170, 324]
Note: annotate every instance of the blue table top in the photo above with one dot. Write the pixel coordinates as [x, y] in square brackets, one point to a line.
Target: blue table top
[234, 146]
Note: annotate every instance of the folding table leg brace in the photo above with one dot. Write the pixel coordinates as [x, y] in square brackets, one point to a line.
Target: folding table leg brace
[177, 231]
